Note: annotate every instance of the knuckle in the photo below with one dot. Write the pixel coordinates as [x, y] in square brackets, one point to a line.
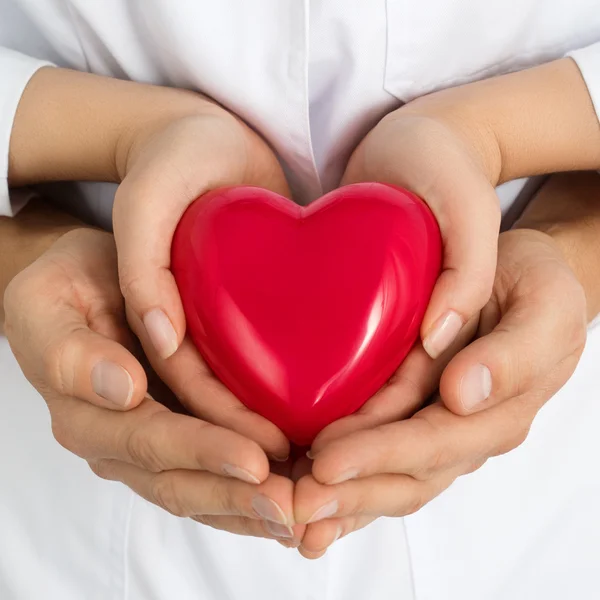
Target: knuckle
[222, 499]
[437, 456]
[514, 440]
[102, 468]
[63, 434]
[360, 506]
[164, 492]
[438, 460]
[130, 282]
[143, 451]
[413, 504]
[209, 521]
[53, 365]
[475, 466]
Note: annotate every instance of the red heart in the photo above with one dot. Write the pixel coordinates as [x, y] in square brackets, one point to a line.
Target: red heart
[304, 313]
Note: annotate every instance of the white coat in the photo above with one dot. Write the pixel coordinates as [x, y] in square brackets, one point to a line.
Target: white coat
[313, 76]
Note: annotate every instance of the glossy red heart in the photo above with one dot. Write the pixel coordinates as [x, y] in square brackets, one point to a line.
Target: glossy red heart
[304, 313]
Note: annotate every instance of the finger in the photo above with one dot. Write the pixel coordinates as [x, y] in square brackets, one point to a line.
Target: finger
[252, 527]
[205, 396]
[300, 468]
[155, 439]
[531, 339]
[406, 392]
[156, 192]
[66, 355]
[459, 194]
[432, 441]
[376, 496]
[459, 197]
[321, 535]
[186, 493]
[414, 381]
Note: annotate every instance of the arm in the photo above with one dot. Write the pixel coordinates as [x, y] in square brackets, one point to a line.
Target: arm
[454, 146]
[540, 120]
[74, 126]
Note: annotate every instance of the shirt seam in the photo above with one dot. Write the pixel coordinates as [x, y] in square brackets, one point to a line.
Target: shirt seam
[84, 55]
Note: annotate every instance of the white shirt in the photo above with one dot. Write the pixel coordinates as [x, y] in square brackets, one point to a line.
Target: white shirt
[312, 77]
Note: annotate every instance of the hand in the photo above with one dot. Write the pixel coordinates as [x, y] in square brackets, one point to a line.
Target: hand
[65, 321]
[453, 146]
[448, 167]
[530, 347]
[168, 165]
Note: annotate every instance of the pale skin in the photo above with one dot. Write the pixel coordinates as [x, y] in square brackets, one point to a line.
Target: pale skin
[152, 140]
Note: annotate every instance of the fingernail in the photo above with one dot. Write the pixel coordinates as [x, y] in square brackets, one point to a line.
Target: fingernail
[239, 473]
[268, 509]
[442, 334]
[310, 455]
[280, 531]
[475, 387]
[293, 544]
[279, 459]
[345, 476]
[112, 382]
[161, 332]
[338, 534]
[326, 511]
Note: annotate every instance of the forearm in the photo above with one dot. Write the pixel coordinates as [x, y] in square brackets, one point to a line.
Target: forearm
[536, 121]
[26, 237]
[78, 126]
[568, 209]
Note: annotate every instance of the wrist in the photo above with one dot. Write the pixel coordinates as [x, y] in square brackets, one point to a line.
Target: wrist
[76, 126]
[567, 213]
[27, 237]
[540, 120]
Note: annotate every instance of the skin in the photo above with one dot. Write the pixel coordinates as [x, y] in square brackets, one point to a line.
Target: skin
[378, 462]
[444, 147]
[63, 312]
[160, 143]
[176, 461]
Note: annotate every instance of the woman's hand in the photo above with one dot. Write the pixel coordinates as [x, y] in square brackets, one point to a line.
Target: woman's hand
[531, 334]
[454, 146]
[169, 165]
[448, 168]
[65, 321]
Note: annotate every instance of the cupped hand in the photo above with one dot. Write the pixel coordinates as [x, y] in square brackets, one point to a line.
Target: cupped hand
[451, 164]
[65, 322]
[165, 166]
[530, 337]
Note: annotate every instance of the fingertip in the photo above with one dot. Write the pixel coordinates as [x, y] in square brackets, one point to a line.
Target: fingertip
[121, 384]
[111, 382]
[161, 333]
[440, 336]
[154, 307]
[457, 298]
[466, 384]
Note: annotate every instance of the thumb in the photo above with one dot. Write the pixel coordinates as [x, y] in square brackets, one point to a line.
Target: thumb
[424, 157]
[534, 341]
[469, 220]
[144, 224]
[78, 362]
